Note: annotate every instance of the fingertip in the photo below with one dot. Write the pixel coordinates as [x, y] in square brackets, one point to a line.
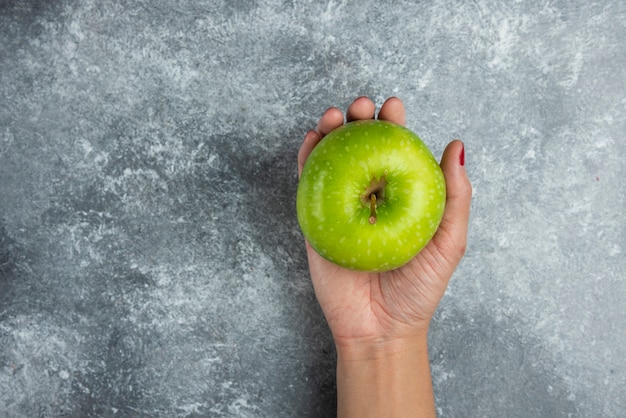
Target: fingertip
[311, 134]
[331, 119]
[393, 111]
[453, 157]
[458, 186]
[361, 108]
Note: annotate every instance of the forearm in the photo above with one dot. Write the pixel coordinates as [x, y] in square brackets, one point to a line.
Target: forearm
[385, 380]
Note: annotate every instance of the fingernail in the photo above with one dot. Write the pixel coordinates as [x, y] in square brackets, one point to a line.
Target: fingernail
[462, 156]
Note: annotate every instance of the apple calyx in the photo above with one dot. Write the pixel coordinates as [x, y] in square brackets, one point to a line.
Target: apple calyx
[374, 196]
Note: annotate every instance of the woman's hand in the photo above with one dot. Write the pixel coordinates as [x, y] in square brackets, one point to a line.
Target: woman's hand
[378, 307]
[380, 321]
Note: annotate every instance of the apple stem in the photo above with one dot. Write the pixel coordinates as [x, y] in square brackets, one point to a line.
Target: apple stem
[372, 209]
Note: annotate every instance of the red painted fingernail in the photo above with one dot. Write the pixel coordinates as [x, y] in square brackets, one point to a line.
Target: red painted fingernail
[462, 156]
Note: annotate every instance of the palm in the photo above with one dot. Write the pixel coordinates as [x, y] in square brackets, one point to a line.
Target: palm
[377, 305]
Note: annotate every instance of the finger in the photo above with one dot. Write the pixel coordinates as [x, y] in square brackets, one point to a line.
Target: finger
[451, 237]
[310, 141]
[393, 111]
[331, 119]
[361, 108]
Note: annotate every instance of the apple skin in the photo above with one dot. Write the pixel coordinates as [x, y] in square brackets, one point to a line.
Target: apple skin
[334, 211]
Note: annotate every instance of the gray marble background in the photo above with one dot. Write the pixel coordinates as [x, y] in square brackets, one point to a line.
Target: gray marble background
[150, 259]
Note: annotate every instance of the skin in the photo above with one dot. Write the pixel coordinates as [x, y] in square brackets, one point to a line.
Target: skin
[380, 321]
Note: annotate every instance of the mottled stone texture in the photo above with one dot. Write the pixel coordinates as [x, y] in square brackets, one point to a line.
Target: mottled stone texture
[150, 259]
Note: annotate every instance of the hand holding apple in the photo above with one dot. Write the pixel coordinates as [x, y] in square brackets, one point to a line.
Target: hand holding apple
[380, 320]
[413, 290]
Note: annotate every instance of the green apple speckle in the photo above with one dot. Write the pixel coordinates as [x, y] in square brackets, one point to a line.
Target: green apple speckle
[371, 196]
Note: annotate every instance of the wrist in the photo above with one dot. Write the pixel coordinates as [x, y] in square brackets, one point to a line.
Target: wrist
[371, 349]
[385, 378]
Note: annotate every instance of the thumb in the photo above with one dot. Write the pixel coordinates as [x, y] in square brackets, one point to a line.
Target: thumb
[451, 237]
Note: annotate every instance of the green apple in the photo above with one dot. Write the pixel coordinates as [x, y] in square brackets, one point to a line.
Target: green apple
[371, 196]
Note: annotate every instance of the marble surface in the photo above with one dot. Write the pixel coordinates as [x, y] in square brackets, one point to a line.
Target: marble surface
[150, 259]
